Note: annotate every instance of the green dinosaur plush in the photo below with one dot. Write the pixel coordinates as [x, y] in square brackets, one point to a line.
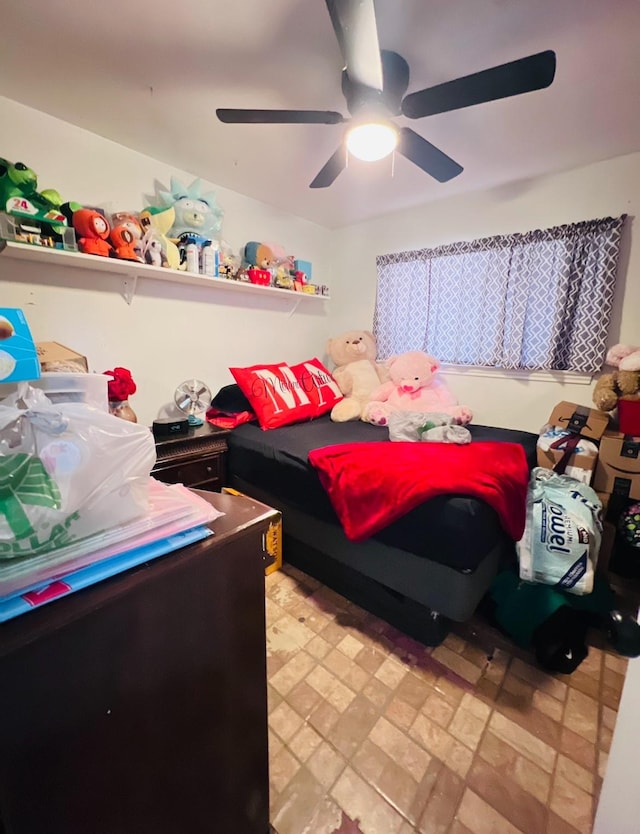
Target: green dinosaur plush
[19, 194]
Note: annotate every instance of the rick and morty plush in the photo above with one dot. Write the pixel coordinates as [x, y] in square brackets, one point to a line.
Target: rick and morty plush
[196, 214]
[198, 220]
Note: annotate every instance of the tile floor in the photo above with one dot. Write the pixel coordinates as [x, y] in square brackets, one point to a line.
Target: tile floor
[372, 733]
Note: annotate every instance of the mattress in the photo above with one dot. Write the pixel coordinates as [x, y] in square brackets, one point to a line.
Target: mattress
[455, 530]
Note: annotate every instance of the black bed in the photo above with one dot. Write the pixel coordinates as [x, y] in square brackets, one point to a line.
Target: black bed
[441, 556]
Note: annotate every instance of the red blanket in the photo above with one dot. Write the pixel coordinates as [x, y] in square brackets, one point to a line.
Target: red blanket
[372, 484]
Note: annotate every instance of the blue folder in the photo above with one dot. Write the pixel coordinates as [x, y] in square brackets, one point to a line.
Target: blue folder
[43, 592]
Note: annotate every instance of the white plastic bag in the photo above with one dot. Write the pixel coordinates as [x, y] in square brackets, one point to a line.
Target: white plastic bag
[562, 534]
[67, 471]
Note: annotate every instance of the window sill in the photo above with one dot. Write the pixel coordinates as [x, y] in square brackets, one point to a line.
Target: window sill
[564, 377]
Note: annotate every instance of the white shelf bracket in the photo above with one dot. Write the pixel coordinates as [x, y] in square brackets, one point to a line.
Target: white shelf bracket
[129, 284]
[296, 304]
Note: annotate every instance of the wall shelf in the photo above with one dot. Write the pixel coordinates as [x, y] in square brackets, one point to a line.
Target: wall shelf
[130, 272]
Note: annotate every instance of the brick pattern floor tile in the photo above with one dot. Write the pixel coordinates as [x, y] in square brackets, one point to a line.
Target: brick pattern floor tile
[371, 732]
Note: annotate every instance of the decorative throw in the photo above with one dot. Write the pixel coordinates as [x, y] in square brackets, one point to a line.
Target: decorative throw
[371, 485]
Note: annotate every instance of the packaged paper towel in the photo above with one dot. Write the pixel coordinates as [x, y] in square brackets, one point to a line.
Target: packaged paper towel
[563, 532]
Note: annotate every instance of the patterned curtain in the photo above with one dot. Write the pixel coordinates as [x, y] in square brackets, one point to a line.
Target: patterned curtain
[535, 301]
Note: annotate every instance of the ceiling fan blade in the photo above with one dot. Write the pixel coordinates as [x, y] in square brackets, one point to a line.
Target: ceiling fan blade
[522, 76]
[354, 22]
[279, 117]
[426, 156]
[329, 172]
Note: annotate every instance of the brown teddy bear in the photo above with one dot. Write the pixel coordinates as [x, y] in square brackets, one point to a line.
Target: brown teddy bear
[356, 372]
[625, 382]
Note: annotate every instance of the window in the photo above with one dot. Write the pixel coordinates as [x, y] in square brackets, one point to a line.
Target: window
[535, 301]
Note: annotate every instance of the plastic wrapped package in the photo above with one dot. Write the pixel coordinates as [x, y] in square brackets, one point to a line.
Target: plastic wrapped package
[562, 534]
[172, 509]
[67, 471]
[581, 463]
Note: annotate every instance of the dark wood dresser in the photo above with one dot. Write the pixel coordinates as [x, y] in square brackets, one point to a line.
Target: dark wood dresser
[138, 705]
[197, 459]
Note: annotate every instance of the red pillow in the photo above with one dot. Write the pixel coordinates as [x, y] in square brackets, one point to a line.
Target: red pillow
[275, 394]
[321, 388]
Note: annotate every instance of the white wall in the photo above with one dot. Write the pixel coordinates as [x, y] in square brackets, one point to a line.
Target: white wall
[170, 332]
[607, 188]
[619, 806]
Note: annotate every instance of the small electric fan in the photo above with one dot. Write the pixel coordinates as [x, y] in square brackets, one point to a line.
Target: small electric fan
[193, 397]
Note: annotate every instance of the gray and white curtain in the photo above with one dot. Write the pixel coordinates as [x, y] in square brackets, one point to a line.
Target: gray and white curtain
[536, 301]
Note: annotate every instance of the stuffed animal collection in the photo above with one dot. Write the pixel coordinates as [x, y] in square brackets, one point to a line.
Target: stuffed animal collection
[356, 371]
[624, 382]
[413, 386]
[181, 232]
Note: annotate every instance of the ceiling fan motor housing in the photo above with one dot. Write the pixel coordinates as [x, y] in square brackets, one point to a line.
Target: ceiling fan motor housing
[385, 102]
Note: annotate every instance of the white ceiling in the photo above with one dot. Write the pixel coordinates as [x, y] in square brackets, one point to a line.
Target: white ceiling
[149, 75]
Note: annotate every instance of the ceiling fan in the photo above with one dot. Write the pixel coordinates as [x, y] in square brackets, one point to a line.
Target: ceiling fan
[374, 83]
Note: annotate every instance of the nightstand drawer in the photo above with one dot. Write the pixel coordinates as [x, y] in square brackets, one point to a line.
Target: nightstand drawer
[192, 473]
[195, 460]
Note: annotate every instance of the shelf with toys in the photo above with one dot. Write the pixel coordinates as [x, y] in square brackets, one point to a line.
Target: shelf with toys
[130, 271]
[157, 242]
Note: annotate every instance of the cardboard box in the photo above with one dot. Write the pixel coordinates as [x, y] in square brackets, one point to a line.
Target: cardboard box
[273, 542]
[303, 266]
[550, 458]
[588, 423]
[618, 466]
[53, 352]
[18, 358]
[579, 419]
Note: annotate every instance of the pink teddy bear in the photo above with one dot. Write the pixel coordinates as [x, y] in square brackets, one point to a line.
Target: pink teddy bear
[625, 357]
[413, 386]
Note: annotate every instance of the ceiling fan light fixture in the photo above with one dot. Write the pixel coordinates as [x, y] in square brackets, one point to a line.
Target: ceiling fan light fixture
[372, 141]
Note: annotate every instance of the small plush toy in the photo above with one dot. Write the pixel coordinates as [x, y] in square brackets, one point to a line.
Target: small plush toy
[92, 229]
[356, 372]
[130, 221]
[157, 249]
[625, 382]
[258, 256]
[413, 386]
[124, 244]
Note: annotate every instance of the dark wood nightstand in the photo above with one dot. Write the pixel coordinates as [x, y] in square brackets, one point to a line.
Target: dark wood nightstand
[197, 459]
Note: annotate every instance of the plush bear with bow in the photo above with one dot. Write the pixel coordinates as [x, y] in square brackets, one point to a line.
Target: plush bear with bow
[413, 386]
